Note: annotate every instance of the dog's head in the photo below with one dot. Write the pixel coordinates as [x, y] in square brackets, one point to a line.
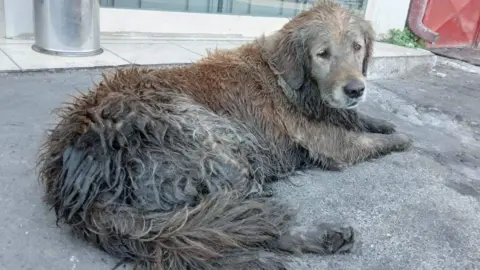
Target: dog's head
[327, 48]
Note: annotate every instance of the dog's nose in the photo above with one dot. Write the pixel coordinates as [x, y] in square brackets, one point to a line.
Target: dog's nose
[354, 89]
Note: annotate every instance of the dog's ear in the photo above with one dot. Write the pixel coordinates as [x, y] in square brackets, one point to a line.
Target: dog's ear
[369, 35]
[287, 54]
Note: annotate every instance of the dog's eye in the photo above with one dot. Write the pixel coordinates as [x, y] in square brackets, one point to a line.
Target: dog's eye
[357, 46]
[323, 54]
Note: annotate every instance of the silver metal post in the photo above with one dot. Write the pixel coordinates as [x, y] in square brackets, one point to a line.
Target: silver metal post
[67, 27]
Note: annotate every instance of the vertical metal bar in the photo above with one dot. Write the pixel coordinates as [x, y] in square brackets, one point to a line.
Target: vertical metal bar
[187, 5]
[67, 28]
[364, 7]
[220, 6]
[249, 8]
[2, 19]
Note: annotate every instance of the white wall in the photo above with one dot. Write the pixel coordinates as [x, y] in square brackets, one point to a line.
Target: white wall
[18, 17]
[147, 21]
[19, 20]
[387, 14]
[2, 19]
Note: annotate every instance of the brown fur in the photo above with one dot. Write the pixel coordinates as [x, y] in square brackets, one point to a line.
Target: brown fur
[167, 167]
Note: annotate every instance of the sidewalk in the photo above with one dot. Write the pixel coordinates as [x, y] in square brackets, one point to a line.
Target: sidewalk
[412, 210]
[17, 55]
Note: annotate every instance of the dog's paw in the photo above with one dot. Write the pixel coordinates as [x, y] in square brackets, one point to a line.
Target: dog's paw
[384, 127]
[322, 239]
[335, 238]
[266, 191]
[327, 238]
[375, 125]
[400, 142]
[330, 164]
[336, 166]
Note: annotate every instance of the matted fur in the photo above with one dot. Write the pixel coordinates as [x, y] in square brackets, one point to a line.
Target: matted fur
[167, 167]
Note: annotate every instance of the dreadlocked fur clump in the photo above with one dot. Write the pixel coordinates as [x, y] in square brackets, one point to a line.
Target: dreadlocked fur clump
[168, 167]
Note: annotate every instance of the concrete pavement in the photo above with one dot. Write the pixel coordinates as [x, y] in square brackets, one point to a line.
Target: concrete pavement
[414, 210]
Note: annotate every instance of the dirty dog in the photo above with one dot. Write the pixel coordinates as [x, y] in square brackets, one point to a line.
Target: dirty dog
[167, 168]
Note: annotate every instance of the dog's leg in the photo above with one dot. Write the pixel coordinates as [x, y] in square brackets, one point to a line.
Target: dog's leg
[306, 161]
[323, 239]
[375, 125]
[356, 121]
[342, 145]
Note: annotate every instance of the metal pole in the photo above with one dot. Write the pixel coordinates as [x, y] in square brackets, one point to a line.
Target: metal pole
[67, 27]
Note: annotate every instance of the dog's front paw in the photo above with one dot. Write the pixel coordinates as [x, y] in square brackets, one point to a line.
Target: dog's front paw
[331, 164]
[386, 128]
[383, 127]
[400, 142]
[337, 166]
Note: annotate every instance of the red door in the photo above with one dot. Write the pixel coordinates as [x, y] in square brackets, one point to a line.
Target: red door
[457, 22]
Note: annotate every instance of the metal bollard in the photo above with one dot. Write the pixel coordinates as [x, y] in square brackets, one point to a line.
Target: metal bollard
[67, 27]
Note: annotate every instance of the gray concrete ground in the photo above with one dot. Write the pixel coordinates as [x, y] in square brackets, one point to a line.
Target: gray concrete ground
[414, 210]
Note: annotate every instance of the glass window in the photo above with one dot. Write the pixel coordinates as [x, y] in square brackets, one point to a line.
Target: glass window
[266, 8]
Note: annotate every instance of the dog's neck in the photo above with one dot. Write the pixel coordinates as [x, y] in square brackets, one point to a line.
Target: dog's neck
[266, 43]
[286, 88]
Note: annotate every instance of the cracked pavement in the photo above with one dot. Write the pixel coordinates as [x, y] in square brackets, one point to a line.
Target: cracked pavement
[413, 210]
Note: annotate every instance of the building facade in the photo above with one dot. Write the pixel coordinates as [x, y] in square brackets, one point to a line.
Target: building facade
[247, 18]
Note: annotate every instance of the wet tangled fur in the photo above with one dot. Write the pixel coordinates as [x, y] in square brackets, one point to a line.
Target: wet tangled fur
[167, 167]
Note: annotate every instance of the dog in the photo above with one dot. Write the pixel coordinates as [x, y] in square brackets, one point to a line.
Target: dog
[169, 168]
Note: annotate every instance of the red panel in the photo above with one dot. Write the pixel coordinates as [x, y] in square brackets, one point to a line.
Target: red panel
[455, 20]
[458, 4]
[437, 13]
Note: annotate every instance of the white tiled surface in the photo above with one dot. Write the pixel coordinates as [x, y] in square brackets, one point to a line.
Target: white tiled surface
[201, 47]
[27, 59]
[389, 50]
[154, 53]
[6, 64]
[16, 41]
[239, 42]
[142, 52]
